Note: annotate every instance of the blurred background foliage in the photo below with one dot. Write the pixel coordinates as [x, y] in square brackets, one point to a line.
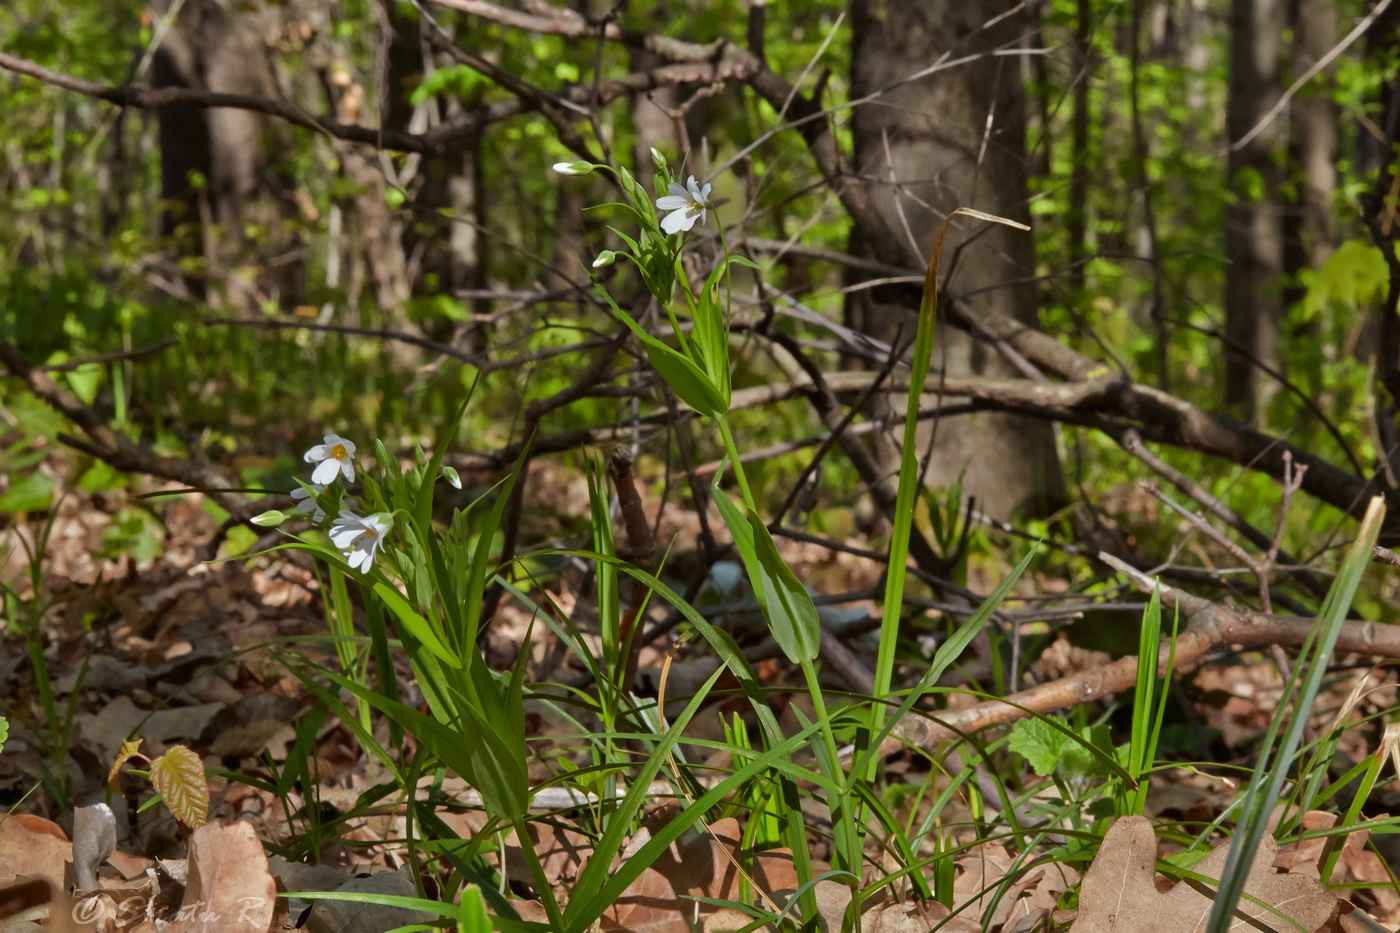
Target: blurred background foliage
[480, 246]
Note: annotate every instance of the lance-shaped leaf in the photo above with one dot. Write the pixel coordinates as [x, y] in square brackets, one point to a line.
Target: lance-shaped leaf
[785, 602]
[686, 379]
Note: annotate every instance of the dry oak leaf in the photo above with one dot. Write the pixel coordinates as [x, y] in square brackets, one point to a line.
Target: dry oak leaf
[1120, 894]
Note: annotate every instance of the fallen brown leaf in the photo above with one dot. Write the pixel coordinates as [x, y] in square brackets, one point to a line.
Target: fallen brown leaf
[1120, 893]
[229, 886]
[659, 900]
[33, 847]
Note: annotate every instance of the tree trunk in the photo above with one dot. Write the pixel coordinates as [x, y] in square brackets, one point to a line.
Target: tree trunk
[955, 138]
[1254, 222]
[216, 163]
[1315, 132]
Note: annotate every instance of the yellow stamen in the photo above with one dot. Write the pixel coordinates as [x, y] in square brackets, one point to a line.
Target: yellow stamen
[338, 452]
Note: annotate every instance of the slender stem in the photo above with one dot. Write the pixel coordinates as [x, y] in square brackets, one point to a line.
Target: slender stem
[542, 882]
[850, 860]
[732, 449]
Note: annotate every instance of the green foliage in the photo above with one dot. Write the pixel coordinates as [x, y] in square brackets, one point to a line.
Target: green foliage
[1053, 750]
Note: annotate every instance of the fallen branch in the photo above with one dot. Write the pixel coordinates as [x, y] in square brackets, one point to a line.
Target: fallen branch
[1209, 627]
[116, 449]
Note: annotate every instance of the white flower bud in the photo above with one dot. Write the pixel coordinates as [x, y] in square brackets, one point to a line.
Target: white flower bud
[574, 168]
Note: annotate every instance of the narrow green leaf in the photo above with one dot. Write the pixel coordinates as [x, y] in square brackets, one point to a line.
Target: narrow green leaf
[476, 750]
[686, 379]
[791, 614]
[785, 602]
[416, 625]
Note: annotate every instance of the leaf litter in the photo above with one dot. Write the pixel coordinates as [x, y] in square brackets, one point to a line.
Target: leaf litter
[182, 664]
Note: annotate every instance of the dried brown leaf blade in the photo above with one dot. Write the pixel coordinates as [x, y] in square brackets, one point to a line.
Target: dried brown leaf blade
[229, 886]
[1120, 893]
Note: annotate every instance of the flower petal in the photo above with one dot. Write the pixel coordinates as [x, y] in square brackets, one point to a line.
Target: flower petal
[325, 471]
[346, 538]
[347, 469]
[679, 190]
[676, 221]
[314, 454]
[672, 203]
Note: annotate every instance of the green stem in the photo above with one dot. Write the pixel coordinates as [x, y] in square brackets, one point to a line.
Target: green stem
[847, 829]
[542, 883]
[732, 449]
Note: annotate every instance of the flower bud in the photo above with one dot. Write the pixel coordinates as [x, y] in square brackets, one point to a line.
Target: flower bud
[574, 168]
[269, 519]
[658, 159]
[605, 258]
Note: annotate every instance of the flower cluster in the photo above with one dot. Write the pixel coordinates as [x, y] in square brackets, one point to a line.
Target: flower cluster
[359, 538]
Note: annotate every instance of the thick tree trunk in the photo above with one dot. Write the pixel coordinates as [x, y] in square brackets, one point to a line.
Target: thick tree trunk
[1254, 222]
[955, 138]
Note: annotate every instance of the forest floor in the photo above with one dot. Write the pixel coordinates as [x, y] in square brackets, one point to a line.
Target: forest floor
[175, 649]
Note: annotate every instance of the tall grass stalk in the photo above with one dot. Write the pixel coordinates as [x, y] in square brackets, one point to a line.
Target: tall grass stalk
[1276, 756]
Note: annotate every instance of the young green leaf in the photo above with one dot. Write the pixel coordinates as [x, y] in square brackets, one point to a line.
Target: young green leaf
[1052, 751]
[178, 776]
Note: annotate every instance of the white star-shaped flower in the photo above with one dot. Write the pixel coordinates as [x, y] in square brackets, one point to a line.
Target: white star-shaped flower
[335, 456]
[306, 502]
[686, 206]
[359, 538]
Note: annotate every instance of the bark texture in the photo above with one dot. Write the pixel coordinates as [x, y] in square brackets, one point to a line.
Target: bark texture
[220, 168]
[955, 138]
[1254, 228]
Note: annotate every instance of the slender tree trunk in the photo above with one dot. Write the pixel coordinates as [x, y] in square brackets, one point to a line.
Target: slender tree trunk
[956, 138]
[1315, 131]
[216, 164]
[1310, 232]
[1077, 217]
[1254, 222]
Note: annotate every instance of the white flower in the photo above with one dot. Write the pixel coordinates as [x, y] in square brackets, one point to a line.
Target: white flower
[360, 538]
[306, 502]
[335, 456]
[686, 205]
[574, 168]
